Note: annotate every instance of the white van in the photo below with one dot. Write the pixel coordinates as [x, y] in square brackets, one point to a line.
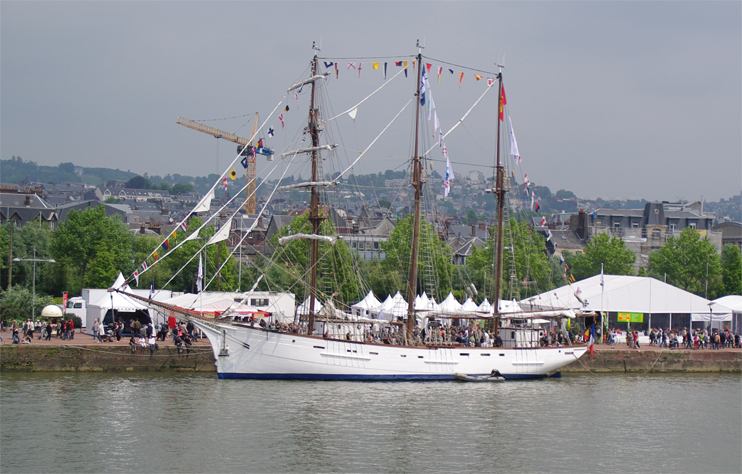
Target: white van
[78, 307]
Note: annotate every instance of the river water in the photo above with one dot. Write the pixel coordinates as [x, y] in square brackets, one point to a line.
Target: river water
[90, 422]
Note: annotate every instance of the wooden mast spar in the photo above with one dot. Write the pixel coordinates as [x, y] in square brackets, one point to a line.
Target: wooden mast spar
[417, 183]
[499, 191]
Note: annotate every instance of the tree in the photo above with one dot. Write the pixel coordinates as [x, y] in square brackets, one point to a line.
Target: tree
[532, 268]
[731, 269]
[433, 254]
[139, 182]
[77, 241]
[17, 301]
[67, 168]
[181, 188]
[337, 273]
[611, 252]
[690, 262]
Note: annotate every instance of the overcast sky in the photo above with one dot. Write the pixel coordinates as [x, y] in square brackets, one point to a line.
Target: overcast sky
[607, 99]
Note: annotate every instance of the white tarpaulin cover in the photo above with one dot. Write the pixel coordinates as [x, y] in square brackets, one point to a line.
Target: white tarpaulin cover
[631, 294]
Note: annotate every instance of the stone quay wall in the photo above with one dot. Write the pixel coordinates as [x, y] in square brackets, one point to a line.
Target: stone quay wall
[103, 358]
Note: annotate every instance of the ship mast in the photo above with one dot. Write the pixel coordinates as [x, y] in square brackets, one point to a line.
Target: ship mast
[418, 185]
[314, 216]
[499, 191]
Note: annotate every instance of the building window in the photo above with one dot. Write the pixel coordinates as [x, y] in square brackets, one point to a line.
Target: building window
[692, 225]
[673, 227]
[656, 234]
[259, 302]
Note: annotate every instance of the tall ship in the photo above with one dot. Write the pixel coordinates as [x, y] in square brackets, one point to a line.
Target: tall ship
[326, 343]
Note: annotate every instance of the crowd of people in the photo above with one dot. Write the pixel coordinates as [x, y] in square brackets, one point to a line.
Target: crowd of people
[24, 332]
[693, 339]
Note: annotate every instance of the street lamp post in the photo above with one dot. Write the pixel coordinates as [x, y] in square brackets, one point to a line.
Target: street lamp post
[33, 284]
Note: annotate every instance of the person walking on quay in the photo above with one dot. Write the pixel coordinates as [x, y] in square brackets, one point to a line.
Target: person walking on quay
[95, 330]
[101, 332]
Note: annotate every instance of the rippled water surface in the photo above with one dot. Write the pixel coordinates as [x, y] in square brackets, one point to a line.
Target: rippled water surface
[197, 423]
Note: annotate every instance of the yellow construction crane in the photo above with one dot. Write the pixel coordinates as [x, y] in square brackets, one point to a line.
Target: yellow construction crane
[245, 148]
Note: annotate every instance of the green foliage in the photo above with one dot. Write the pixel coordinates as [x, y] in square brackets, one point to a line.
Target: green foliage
[180, 188]
[16, 170]
[112, 200]
[731, 269]
[687, 260]
[611, 252]
[139, 182]
[67, 168]
[78, 241]
[397, 263]
[533, 272]
[16, 303]
[337, 272]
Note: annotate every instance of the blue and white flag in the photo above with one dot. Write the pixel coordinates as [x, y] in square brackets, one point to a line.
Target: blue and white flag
[449, 173]
[271, 132]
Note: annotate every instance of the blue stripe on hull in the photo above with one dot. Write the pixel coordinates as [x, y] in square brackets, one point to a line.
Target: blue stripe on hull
[369, 378]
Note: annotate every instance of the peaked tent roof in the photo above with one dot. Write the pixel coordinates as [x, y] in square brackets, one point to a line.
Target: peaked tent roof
[626, 294]
[368, 303]
[733, 302]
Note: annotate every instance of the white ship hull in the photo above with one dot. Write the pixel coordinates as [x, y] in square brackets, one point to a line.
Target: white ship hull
[255, 353]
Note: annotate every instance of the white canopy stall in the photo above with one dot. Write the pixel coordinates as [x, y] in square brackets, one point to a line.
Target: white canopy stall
[627, 294]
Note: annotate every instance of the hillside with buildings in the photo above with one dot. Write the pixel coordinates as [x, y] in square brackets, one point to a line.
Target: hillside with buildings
[371, 206]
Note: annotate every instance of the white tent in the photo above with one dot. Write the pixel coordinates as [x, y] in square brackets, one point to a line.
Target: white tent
[393, 307]
[124, 309]
[486, 307]
[450, 305]
[470, 306]
[303, 308]
[366, 305]
[631, 294]
[733, 302]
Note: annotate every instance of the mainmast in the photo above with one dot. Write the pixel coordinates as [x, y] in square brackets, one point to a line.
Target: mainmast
[500, 193]
[418, 185]
[314, 216]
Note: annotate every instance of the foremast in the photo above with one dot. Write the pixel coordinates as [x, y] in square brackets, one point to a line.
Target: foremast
[499, 191]
[314, 214]
[417, 184]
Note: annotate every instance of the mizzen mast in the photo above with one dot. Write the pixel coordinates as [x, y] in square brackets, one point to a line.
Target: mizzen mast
[499, 191]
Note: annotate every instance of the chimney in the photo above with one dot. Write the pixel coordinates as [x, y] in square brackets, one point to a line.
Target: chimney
[28, 199]
[141, 229]
[473, 230]
[164, 211]
[482, 226]
[260, 221]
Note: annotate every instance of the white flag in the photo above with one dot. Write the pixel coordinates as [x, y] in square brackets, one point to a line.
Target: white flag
[533, 196]
[513, 144]
[205, 203]
[199, 275]
[222, 234]
[194, 235]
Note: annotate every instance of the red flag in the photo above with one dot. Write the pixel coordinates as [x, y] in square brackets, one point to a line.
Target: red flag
[503, 101]
[64, 300]
[428, 65]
